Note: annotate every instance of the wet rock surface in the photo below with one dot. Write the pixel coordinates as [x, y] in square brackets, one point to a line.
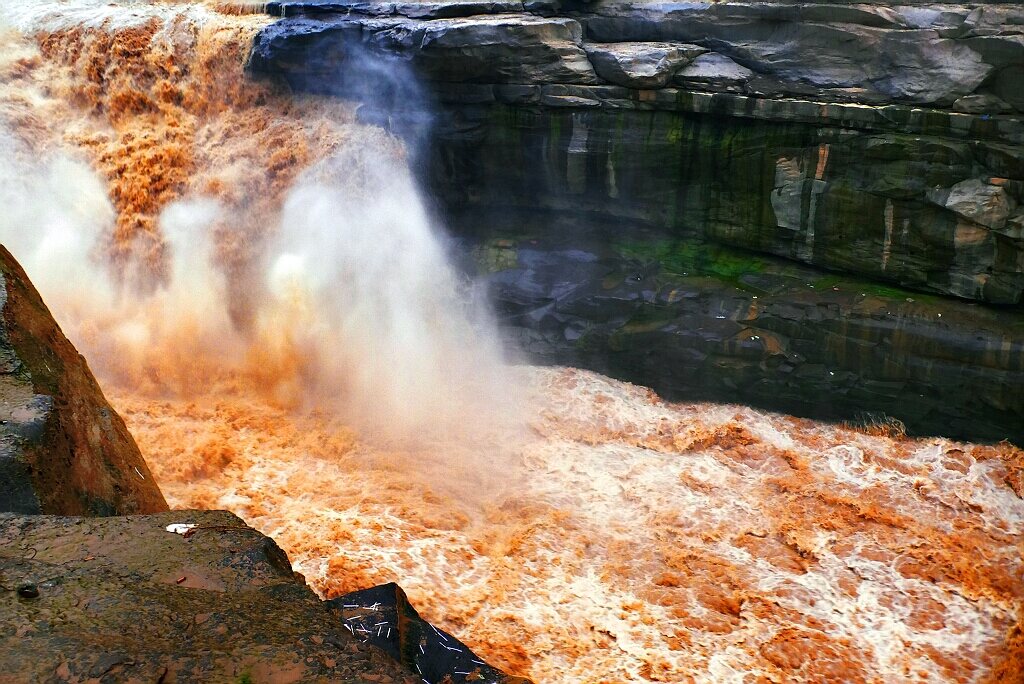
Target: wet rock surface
[870, 53]
[821, 132]
[63, 449]
[920, 210]
[383, 616]
[640, 65]
[485, 49]
[878, 52]
[697, 320]
[122, 599]
[877, 143]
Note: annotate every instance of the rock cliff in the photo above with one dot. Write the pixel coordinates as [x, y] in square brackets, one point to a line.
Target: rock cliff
[63, 449]
[704, 321]
[877, 142]
[879, 139]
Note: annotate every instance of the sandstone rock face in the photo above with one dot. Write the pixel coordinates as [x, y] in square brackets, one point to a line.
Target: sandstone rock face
[489, 49]
[902, 54]
[63, 449]
[983, 203]
[123, 599]
[868, 52]
[799, 131]
[841, 187]
[714, 71]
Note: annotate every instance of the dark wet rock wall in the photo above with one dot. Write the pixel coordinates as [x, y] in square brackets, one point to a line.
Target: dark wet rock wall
[875, 146]
[866, 201]
[881, 141]
[697, 320]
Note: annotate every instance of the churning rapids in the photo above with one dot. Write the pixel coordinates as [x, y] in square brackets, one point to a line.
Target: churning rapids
[256, 281]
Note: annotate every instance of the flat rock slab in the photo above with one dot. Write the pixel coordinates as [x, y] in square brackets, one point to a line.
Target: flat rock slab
[414, 9]
[63, 449]
[640, 65]
[715, 72]
[485, 49]
[983, 203]
[122, 599]
[873, 54]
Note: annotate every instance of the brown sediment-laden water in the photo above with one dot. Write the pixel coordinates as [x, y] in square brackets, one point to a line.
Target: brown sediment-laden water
[255, 279]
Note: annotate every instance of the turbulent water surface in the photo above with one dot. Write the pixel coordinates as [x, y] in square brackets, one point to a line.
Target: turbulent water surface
[255, 279]
[640, 541]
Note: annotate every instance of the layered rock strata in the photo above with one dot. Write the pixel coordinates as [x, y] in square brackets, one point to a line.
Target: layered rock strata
[876, 142]
[702, 321]
[833, 134]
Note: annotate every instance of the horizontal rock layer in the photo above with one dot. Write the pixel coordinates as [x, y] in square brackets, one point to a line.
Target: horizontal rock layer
[930, 212]
[645, 111]
[488, 49]
[930, 55]
[63, 449]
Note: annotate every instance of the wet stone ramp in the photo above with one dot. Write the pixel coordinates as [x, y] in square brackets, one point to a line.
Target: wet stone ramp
[123, 599]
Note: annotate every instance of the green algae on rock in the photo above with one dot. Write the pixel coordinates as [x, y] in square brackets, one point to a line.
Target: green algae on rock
[701, 320]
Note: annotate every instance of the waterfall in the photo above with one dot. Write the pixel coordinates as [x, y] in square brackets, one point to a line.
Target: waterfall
[258, 283]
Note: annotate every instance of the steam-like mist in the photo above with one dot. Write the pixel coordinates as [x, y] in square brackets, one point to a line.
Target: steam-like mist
[55, 213]
[58, 224]
[359, 311]
[360, 290]
[343, 301]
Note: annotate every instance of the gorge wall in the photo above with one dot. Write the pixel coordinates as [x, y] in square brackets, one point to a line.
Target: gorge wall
[881, 145]
[606, 535]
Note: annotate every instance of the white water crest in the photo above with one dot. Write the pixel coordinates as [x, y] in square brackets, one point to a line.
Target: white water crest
[54, 214]
[358, 310]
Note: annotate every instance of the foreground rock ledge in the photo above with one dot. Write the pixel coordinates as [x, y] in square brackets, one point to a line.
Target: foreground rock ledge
[63, 449]
[122, 599]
